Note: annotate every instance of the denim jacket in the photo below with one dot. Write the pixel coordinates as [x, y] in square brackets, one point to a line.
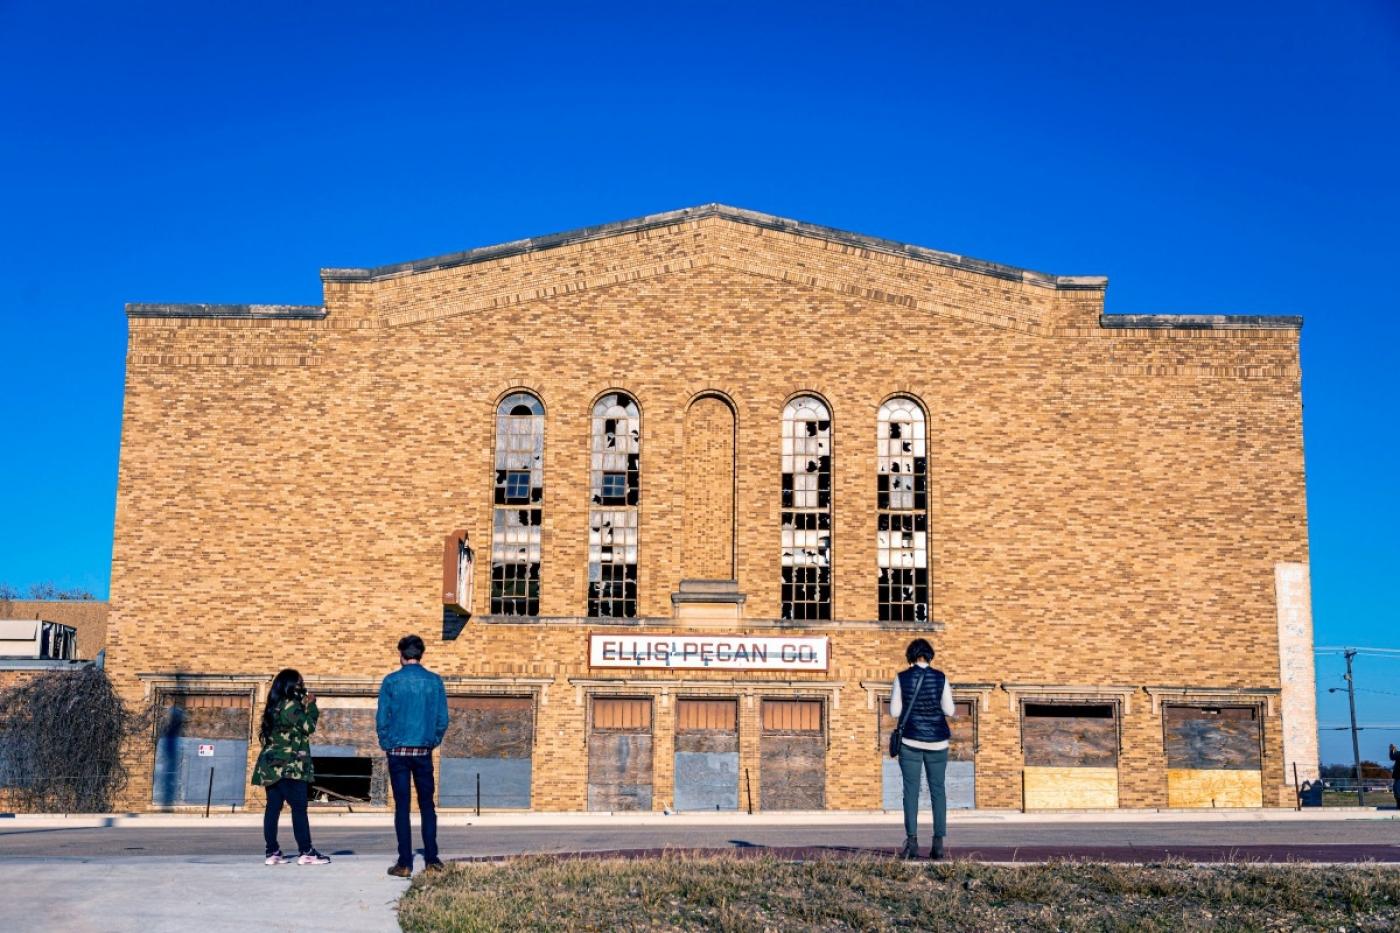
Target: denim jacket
[412, 709]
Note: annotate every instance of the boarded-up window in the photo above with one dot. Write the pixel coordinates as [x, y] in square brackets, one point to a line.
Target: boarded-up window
[489, 741]
[781, 716]
[345, 751]
[959, 777]
[707, 755]
[1214, 738]
[1070, 735]
[619, 754]
[706, 716]
[200, 736]
[792, 750]
[621, 715]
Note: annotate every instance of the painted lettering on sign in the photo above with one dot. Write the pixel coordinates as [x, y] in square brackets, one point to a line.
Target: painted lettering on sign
[206, 751]
[709, 652]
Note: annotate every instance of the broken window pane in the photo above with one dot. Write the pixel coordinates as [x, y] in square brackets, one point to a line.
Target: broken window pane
[901, 492]
[614, 458]
[515, 531]
[806, 509]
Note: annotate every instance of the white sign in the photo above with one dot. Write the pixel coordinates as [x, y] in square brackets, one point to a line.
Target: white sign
[709, 652]
[206, 751]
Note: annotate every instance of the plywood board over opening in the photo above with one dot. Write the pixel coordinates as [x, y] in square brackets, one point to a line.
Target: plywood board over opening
[1213, 756]
[707, 755]
[202, 750]
[792, 755]
[959, 778]
[620, 754]
[1071, 755]
[489, 739]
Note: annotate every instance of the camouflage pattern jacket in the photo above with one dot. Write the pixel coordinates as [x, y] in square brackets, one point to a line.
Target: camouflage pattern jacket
[287, 753]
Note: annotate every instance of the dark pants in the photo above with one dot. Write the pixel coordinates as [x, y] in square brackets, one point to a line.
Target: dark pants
[1395, 789]
[294, 793]
[914, 763]
[419, 770]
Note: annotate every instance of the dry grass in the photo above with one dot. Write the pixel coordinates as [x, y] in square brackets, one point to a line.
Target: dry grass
[724, 893]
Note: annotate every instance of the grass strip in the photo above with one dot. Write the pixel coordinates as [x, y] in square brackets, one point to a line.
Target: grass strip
[683, 892]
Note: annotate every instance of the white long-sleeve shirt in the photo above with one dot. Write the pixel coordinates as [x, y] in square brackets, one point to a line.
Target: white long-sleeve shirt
[897, 707]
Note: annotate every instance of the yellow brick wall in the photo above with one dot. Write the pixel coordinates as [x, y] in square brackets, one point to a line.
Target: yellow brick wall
[1107, 506]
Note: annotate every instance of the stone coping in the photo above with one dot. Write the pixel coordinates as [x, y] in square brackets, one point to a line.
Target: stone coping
[1201, 322]
[726, 212]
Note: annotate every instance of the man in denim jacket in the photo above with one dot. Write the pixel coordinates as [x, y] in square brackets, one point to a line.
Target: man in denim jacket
[411, 720]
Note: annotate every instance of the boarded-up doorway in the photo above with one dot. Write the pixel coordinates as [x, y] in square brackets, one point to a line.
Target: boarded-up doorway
[792, 756]
[1213, 757]
[200, 735]
[707, 755]
[619, 754]
[1071, 755]
[350, 767]
[488, 738]
[959, 780]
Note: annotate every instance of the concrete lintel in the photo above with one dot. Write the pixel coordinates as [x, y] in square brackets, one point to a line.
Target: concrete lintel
[1200, 322]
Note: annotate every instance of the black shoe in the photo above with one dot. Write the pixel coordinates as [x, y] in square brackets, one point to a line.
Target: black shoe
[911, 848]
[936, 852]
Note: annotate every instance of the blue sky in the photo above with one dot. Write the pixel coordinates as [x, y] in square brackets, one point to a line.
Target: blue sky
[1238, 157]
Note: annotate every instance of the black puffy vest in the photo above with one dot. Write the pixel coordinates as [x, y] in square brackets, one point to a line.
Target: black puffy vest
[926, 722]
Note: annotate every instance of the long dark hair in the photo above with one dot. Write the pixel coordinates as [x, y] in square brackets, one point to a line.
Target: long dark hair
[287, 685]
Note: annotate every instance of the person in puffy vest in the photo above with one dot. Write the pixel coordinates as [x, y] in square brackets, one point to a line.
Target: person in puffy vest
[924, 690]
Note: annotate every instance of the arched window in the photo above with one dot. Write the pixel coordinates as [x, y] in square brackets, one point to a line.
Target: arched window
[806, 509]
[901, 539]
[519, 498]
[612, 511]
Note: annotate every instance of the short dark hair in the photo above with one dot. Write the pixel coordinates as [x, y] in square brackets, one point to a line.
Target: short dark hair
[918, 648]
[411, 648]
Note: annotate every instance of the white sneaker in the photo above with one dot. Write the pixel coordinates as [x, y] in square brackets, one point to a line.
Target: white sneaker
[276, 858]
[312, 858]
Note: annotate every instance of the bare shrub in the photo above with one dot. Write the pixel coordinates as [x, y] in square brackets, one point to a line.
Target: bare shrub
[61, 739]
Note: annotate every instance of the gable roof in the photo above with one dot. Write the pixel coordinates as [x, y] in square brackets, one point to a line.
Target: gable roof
[738, 215]
[724, 212]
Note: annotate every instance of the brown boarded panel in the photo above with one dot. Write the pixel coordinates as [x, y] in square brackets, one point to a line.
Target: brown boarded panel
[208, 717]
[792, 769]
[707, 716]
[963, 742]
[489, 727]
[1202, 738]
[619, 771]
[792, 716]
[1214, 788]
[352, 726]
[1057, 735]
[621, 714]
[1070, 788]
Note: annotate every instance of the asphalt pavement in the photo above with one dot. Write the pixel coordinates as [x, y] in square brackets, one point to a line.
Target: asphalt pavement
[1343, 840]
[157, 874]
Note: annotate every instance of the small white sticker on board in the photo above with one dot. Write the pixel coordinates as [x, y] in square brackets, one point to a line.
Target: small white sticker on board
[206, 751]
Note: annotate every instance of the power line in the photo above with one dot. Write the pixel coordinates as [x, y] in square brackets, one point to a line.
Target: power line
[1370, 652]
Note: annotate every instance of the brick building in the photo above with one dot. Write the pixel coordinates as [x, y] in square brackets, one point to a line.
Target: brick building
[668, 498]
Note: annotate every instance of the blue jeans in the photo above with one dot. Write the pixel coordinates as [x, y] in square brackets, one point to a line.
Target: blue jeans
[417, 769]
[914, 763]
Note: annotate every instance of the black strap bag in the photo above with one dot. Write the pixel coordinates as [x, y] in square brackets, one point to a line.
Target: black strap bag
[897, 733]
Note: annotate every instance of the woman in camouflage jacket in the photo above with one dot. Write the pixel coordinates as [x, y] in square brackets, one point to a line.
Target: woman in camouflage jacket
[284, 767]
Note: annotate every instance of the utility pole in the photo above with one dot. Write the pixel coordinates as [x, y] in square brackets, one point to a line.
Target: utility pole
[1355, 745]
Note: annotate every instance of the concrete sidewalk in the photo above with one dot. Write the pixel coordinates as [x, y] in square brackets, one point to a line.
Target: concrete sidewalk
[385, 818]
[211, 895]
